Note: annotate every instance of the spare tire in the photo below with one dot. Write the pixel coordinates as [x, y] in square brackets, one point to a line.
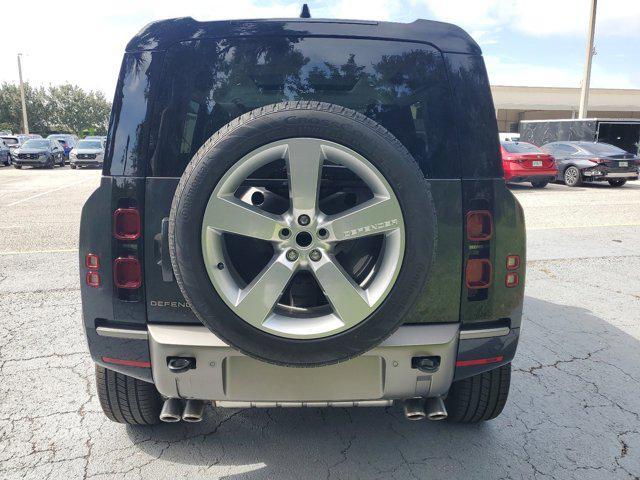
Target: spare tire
[301, 233]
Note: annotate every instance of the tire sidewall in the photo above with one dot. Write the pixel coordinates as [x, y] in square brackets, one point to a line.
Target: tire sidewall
[252, 131]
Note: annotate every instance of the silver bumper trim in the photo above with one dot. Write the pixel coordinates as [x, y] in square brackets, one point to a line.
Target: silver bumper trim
[122, 333]
[484, 333]
[621, 175]
[223, 374]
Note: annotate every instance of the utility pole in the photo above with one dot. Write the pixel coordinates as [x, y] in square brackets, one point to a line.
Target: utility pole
[584, 94]
[25, 121]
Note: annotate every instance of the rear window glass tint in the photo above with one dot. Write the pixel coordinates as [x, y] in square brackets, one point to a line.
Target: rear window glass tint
[205, 84]
[520, 147]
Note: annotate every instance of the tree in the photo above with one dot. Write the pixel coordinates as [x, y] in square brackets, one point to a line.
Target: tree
[62, 108]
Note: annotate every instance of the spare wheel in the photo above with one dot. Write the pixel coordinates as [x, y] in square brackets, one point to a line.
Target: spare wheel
[301, 233]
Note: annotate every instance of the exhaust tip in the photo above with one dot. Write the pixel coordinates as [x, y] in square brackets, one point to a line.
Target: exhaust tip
[436, 409]
[193, 411]
[414, 409]
[171, 410]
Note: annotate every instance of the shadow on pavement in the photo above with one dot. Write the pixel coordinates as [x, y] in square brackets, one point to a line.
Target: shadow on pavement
[568, 405]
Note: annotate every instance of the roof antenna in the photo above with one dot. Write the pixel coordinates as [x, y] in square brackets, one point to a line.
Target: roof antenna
[305, 11]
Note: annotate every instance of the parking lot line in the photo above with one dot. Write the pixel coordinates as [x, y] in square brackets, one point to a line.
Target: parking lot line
[47, 192]
[569, 227]
[28, 252]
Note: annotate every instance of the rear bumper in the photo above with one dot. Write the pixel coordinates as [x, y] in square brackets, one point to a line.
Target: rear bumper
[592, 175]
[532, 178]
[384, 373]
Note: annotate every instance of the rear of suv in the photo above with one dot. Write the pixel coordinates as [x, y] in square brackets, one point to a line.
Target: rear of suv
[280, 194]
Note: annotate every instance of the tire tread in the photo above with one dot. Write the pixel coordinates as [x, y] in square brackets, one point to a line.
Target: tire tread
[479, 398]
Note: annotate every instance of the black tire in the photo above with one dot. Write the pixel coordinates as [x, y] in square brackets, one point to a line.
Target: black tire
[73, 166]
[479, 398]
[17, 166]
[617, 183]
[126, 399]
[62, 160]
[572, 176]
[539, 184]
[277, 122]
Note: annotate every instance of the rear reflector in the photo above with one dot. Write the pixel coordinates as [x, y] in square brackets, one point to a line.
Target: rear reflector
[479, 225]
[127, 273]
[512, 279]
[93, 279]
[92, 261]
[126, 224]
[479, 361]
[513, 262]
[478, 273]
[126, 363]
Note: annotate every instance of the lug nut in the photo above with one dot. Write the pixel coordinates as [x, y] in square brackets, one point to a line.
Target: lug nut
[304, 220]
[315, 255]
[284, 233]
[292, 255]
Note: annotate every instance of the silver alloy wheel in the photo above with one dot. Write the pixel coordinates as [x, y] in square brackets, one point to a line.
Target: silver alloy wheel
[350, 303]
[571, 176]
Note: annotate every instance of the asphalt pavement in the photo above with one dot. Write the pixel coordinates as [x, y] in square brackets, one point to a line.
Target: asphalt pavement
[573, 410]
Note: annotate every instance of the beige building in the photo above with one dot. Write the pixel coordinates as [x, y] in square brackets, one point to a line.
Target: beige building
[539, 103]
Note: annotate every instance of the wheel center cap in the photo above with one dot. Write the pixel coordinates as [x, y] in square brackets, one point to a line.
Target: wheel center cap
[304, 239]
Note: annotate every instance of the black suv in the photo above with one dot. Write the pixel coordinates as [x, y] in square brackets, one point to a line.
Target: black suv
[302, 193]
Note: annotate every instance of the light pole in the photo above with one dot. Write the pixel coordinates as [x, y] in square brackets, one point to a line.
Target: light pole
[25, 121]
[584, 94]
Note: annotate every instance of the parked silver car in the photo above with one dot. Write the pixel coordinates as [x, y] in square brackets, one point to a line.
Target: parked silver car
[87, 153]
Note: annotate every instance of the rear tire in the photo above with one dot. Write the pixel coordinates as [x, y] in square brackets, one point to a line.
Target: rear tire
[17, 166]
[617, 183]
[73, 166]
[479, 398]
[126, 399]
[539, 184]
[572, 177]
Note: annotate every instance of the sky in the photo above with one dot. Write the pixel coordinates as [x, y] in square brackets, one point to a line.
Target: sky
[524, 42]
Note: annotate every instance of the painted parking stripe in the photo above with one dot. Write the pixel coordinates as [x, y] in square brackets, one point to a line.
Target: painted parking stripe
[48, 192]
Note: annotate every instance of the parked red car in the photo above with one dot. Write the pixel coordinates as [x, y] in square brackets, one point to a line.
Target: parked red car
[524, 162]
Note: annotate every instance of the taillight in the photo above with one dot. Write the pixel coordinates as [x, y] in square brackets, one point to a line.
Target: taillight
[478, 273]
[92, 261]
[93, 279]
[512, 280]
[513, 262]
[127, 273]
[479, 225]
[126, 224]
[598, 160]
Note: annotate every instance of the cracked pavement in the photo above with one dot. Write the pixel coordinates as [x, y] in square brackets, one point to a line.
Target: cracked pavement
[573, 410]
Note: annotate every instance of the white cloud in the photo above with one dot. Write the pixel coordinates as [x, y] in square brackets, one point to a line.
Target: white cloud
[540, 17]
[513, 72]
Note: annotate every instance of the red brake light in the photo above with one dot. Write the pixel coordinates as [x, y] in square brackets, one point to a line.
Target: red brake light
[513, 262]
[478, 273]
[127, 273]
[126, 224]
[93, 279]
[598, 160]
[92, 261]
[512, 280]
[479, 225]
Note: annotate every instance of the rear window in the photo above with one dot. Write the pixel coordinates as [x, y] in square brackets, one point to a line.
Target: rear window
[520, 147]
[602, 149]
[10, 141]
[205, 84]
